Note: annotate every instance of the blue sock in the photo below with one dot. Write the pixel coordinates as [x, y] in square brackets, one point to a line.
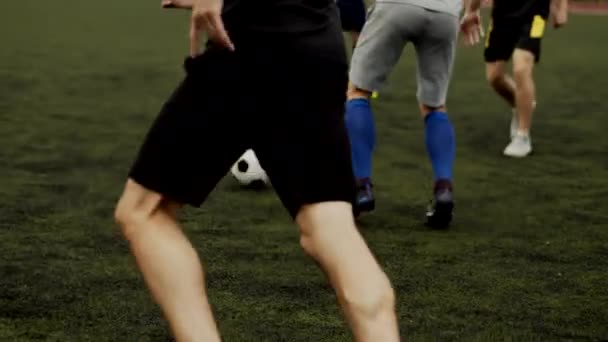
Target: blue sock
[362, 134]
[440, 144]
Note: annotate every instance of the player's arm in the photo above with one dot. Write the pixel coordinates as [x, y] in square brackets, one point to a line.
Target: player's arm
[559, 12]
[184, 4]
[470, 25]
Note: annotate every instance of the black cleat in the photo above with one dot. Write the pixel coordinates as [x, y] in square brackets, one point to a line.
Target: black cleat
[439, 213]
[365, 201]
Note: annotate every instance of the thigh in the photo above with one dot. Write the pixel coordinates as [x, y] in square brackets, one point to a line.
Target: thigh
[501, 39]
[198, 134]
[523, 62]
[303, 145]
[435, 51]
[381, 44]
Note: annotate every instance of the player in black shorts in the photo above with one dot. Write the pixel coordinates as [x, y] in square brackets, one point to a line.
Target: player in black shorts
[352, 17]
[516, 30]
[277, 85]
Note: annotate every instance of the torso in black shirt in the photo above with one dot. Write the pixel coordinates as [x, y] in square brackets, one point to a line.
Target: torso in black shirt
[309, 27]
[279, 16]
[520, 9]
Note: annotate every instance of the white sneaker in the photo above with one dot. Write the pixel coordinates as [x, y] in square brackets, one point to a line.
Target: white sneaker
[520, 146]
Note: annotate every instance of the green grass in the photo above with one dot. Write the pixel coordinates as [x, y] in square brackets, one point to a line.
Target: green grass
[526, 258]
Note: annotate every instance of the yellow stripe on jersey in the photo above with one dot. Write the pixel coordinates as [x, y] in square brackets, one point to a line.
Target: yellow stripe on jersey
[538, 27]
[490, 27]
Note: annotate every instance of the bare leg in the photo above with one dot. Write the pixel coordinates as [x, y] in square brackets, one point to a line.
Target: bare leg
[502, 83]
[329, 235]
[426, 110]
[355, 38]
[357, 93]
[168, 262]
[523, 66]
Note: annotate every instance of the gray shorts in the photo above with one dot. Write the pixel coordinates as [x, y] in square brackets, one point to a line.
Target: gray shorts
[389, 27]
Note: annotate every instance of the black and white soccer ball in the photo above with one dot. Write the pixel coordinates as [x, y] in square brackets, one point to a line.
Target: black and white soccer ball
[249, 173]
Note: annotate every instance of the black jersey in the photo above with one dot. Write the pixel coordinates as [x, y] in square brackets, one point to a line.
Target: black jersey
[280, 16]
[286, 27]
[520, 9]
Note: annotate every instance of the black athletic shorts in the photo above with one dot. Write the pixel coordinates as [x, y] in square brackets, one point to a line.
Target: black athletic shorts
[287, 107]
[352, 14]
[505, 35]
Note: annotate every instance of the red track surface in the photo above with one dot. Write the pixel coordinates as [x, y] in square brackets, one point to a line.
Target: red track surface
[589, 8]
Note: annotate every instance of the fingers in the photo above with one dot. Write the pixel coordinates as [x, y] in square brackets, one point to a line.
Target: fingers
[474, 36]
[217, 31]
[167, 4]
[213, 25]
[471, 36]
[473, 31]
[472, 28]
[194, 39]
[183, 4]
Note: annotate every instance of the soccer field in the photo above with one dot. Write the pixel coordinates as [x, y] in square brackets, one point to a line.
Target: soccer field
[525, 259]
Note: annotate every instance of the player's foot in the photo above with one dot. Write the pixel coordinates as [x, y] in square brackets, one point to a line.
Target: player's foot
[365, 200]
[520, 146]
[439, 213]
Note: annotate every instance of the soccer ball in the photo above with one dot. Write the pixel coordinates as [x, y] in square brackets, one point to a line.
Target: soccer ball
[248, 171]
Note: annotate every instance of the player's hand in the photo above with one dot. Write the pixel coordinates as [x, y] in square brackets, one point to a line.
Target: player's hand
[471, 27]
[560, 19]
[207, 18]
[559, 12]
[187, 4]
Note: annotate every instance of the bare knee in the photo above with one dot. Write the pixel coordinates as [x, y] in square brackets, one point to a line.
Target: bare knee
[138, 206]
[319, 222]
[495, 75]
[522, 72]
[307, 240]
[523, 65]
[131, 217]
[313, 218]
